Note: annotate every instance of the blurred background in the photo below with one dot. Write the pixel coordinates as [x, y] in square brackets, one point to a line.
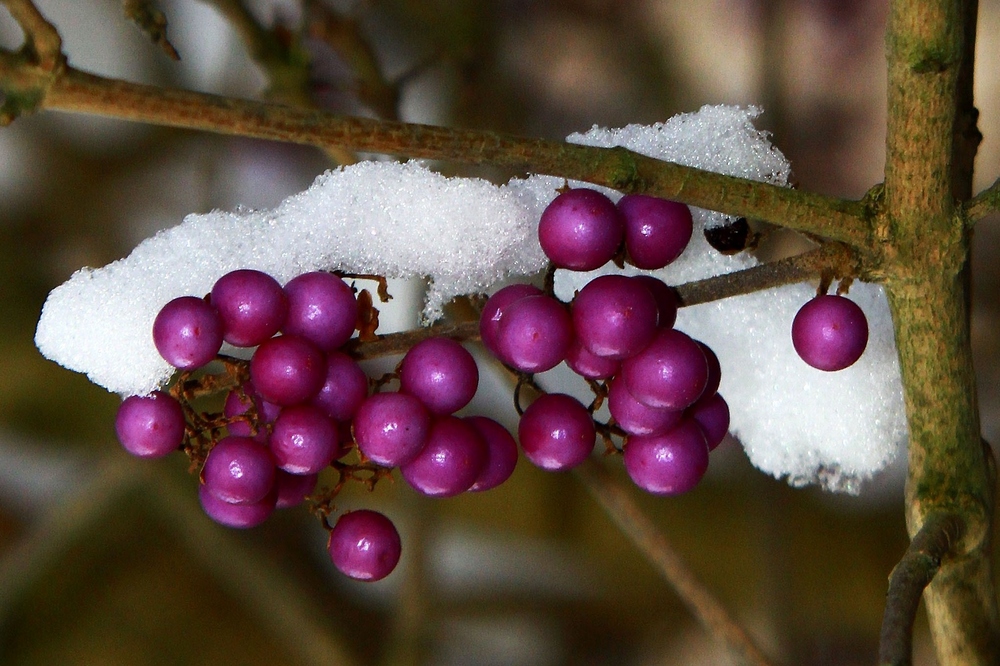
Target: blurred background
[109, 560]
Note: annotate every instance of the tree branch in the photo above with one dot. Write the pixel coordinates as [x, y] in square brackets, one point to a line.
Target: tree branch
[623, 510]
[906, 585]
[41, 37]
[984, 203]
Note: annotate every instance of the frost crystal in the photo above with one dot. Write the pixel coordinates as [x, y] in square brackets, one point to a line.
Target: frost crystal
[465, 235]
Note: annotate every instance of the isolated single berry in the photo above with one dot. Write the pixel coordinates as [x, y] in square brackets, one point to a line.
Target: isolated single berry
[364, 545]
[830, 332]
[150, 426]
[669, 463]
[252, 306]
[187, 332]
[581, 230]
[656, 230]
[556, 432]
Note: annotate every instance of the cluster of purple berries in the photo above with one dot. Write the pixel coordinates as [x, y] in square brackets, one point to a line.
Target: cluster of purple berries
[661, 384]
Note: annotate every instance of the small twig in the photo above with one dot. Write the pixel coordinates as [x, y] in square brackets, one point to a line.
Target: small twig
[984, 203]
[839, 259]
[40, 35]
[149, 18]
[907, 582]
[399, 343]
[623, 510]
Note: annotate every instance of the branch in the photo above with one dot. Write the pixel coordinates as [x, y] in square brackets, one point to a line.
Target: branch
[616, 168]
[151, 21]
[623, 510]
[906, 585]
[984, 203]
[41, 38]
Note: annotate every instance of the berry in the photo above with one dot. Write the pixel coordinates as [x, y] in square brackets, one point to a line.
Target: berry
[391, 428]
[364, 545]
[252, 306]
[240, 516]
[344, 389]
[636, 418]
[321, 309]
[450, 462]
[665, 297]
[830, 332]
[292, 489]
[441, 373]
[614, 316]
[501, 453]
[489, 320]
[303, 440]
[556, 432]
[712, 414]
[287, 370]
[670, 463]
[656, 230]
[238, 470]
[581, 230]
[714, 370]
[534, 334]
[237, 405]
[670, 373]
[187, 332]
[587, 364]
[150, 426]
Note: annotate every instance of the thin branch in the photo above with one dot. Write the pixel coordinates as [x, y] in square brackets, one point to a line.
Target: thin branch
[623, 510]
[838, 260]
[617, 168]
[41, 37]
[984, 203]
[149, 18]
[906, 585]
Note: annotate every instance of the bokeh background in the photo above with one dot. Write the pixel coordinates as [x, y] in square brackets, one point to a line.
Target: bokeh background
[109, 560]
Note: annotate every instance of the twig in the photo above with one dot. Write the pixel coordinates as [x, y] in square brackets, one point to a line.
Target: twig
[623, 510]
[617, 168]
[399, 343]
[151, 21]
[41, 37]
[907, 583]
[984, 203]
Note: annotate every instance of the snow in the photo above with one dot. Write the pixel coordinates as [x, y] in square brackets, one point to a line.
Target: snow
[467, 235]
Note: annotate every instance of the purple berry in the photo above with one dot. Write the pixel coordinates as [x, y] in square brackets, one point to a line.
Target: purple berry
[292, 489]
[321, 309]
[670, 373]
[714, 370]
[252, 306]
[712, 414]
[581, 230]
[238, 470]
[240, 516]
[614, 316]
[303, 440]
[501, 453]
[441, 373]
[665, 297]
[237, 405]
[150, 426]
[830, 332]
[489, 320]
[287, 370]
[670, 463]
[451, 461]
[391, 428]
[187, 332]
[556, 432]
[534, 334]
[344, 389]
[587, 364]
[636, 418]
[656, 230]
[364, 545]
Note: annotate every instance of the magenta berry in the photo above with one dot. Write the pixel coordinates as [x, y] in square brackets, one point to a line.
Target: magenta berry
[501, 453]
[238, 470]
[556, 432]
[665, 297]
[292, 489]
[830, 332]
[187, 332]
[321, 309]
[670, 373]
[534, 334]
[656, 230]
[712, 414]
[287, 370]
[581, 230]
[150, 426]
[252, 306]
[669, 463]
[344, 389]
[636, 418]
[489, 320]
[441, 373]
[614, 316]
[587, 364]
[364, 545]
[303, 440]
[240, 516]
[391, 428]
[450, 462]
